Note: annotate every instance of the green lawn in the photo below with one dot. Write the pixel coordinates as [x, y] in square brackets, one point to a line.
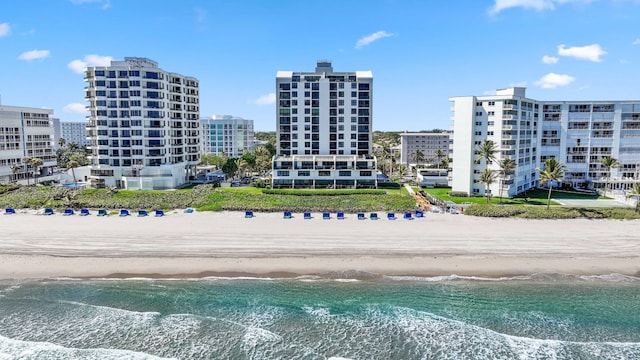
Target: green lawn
[534, 197]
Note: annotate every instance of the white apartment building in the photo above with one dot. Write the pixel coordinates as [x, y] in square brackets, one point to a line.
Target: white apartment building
[577, 133]
[324, 129]
[74, 132]
[25, 132]
[434, 147]
[143, 125]
[226, 134]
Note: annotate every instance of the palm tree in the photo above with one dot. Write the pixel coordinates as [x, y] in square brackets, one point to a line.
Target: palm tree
[609, 163]
[635, 193]
[507, 166]
[26, 161]
[76, 160]
[439, 156]
[553, 172]
[14, 169]
[36, 163]
[487, 177]
[62, 142]
[486, 150]
[418, 157]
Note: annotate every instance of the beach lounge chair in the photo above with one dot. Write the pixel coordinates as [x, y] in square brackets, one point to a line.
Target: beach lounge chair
[68, 212]
[391, 216]
[84, 212]
[159, 213]
[142, 213]
[326, 216]
[287, 215]
[188, 210]
[307, 215]
[373, 216]
[48, 211]
[124, 212]
[9, 211]
[103, 212]
[340, 216]
[361, 216]
[407, 216]
[419, 213]
[248, 214]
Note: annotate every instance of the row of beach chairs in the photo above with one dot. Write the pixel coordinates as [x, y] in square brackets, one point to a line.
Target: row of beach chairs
[340, 215]
[85, 212]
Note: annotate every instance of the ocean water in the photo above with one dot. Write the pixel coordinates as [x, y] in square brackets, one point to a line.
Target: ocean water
[341, 316]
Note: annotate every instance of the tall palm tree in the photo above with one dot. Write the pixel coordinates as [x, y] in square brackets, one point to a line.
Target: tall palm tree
[635, 193]
[609, 163]
[486, 150]
[553, 172]
[418, 157]
[507, 166]
[36, 163]
[62, 142]
[26, 161]
[76, 160]
[439, 156]
[487, 177]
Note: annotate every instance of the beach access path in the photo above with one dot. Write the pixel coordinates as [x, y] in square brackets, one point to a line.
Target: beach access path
[218, 243]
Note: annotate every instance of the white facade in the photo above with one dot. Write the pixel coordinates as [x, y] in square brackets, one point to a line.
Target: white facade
[74, 132]
[226, 134]
[324, 118]
[143, 125]
[434, 147]
[25, 132]
[577, 133]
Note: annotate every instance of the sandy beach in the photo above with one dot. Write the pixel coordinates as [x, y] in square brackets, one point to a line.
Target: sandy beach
[226, 243]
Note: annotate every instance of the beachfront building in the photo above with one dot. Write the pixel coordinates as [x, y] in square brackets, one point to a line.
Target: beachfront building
[74, 132]
[577, 133]
[226, 134]
[324, 129]
[425, 147]
[25, 132]
[143, 125]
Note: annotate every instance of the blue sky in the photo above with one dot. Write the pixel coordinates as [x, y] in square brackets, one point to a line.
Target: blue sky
[421, 52]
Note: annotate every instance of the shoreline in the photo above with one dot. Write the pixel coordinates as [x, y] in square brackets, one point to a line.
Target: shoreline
[205, 244]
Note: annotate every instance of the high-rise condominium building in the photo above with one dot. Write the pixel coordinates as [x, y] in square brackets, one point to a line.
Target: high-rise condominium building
[425, 147]
[74, 132]
[225, 134]
[324, 129]
[577, 133]
[25, 132]
[143, 125]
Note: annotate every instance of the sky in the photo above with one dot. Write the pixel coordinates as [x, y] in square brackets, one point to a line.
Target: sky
[421, 52]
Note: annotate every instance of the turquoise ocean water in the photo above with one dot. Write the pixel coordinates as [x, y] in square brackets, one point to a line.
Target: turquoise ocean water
[343, 316]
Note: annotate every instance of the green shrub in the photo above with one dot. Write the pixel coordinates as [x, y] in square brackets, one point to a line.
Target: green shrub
[494, 211]
[458, 194]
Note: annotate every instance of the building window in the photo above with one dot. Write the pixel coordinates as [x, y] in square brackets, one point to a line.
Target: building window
[282, 172]
[491, 103]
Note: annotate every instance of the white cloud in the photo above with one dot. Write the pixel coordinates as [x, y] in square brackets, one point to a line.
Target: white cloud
[371, 38]
[34, 54]
[549, 59]
[265, 99]
[538, 5]
[518, 84]
[590, 52]
[201, 14]
[636, 42]
[75, 108]
[78, 66]
[105, 3]
[4, 29]
[553, 80]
